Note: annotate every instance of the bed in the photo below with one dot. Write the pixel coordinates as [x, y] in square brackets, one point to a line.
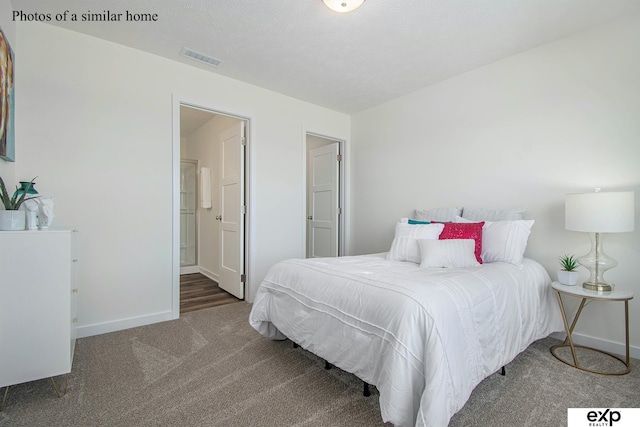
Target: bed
[424, 337]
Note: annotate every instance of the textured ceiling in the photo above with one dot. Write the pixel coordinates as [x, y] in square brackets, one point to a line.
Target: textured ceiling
[345, 62]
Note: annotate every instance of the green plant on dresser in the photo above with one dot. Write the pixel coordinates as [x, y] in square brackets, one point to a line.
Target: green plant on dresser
[13, 203]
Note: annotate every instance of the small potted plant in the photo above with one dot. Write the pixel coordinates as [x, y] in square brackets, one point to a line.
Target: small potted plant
[568, 275]
[11, 218]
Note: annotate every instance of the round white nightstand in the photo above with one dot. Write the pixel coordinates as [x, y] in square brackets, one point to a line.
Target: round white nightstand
[579, 292]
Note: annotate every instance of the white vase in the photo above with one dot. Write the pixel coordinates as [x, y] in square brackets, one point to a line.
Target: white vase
[569, 278]
[12, 220]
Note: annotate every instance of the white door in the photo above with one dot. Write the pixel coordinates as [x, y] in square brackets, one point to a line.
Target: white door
[322, 199]
[232, 210]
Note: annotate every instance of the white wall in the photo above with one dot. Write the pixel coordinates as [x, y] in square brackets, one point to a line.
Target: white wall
[94, 123]
[183, 147]
[314, 142]
[7, 169]
[521, 132]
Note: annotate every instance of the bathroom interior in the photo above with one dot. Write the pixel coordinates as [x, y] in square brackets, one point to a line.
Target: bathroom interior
[199, 206]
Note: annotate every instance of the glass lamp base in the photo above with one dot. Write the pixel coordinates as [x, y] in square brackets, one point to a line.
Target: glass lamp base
[597, 262]
[598, 287]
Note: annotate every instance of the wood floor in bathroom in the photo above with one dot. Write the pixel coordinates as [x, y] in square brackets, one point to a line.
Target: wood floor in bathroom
[197, 291]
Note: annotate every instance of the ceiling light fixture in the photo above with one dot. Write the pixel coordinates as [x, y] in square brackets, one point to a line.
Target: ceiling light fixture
[343, 5]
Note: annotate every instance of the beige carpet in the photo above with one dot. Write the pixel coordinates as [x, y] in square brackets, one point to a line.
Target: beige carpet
[210, 368]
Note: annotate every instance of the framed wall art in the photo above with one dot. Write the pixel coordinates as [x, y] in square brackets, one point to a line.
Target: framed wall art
[7, 102]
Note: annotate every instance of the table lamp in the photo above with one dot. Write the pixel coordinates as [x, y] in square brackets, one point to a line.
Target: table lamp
[597, 213]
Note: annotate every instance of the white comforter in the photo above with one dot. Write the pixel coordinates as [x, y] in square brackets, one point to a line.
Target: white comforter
[424, 337]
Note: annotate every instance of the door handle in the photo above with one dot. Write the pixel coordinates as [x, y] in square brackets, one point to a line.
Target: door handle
[219, 217]
[310, 218]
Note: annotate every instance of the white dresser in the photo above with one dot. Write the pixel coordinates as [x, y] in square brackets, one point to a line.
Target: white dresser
[38, 299]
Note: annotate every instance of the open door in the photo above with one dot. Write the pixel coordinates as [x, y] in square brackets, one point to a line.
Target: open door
[323, 201]
[232, 210]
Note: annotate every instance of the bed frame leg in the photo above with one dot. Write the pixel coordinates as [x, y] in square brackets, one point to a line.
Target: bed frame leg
[365, 391]
[327, 365]
[503, 372]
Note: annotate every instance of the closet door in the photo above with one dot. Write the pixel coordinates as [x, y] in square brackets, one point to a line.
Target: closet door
[322, 200]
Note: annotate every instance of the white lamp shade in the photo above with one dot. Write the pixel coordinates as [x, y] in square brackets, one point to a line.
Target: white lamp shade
[343, 5]
[600, 212]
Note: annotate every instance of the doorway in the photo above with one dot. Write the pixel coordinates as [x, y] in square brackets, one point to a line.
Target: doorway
[214, 144]
[324, 196]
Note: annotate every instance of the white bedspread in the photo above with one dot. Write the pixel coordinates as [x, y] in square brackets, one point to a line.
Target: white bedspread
[424, 337]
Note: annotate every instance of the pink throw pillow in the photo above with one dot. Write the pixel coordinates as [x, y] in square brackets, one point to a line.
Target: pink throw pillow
[471, 230]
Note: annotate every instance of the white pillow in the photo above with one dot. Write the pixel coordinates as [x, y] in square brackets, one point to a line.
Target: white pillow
[484, 214]
[448, 253]
[438, 214]
[405, 243]
[504, 241]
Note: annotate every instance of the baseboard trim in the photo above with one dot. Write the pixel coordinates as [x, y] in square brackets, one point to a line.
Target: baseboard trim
[210, 274]
[189, 269]
[119, 325]
[600, 344]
